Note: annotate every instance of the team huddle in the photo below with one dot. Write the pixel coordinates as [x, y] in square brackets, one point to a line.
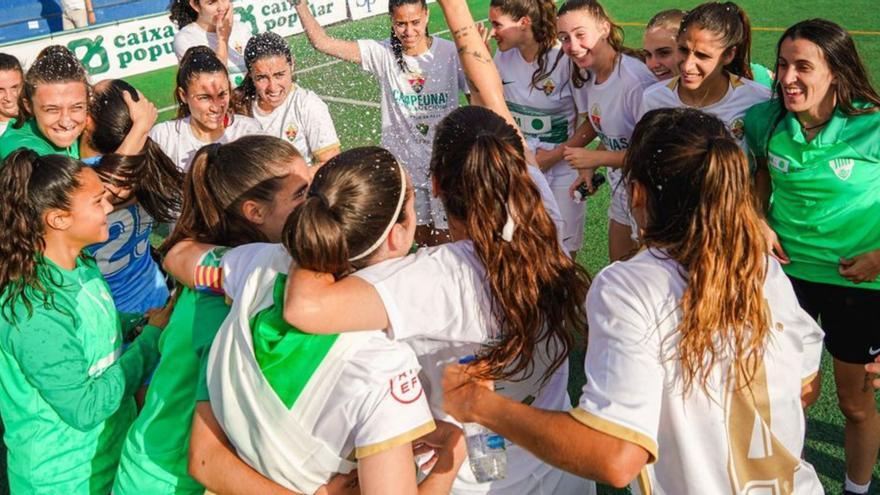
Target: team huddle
[325, 321]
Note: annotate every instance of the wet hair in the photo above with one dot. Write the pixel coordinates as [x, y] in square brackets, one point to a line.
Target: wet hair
[396, 46]
[54, 65]
[537, 292]
[701, 212]
[196, 60]
[154, 179]
[9, 62]
[352, 201]
[182, 13]
[615, 35]
[731, 25]
[30, 185]
[667, 19]
[259, 47]
[542, 14]
[220, 179]
[839, 51]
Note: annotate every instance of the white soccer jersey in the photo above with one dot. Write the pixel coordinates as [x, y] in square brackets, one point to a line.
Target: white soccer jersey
[437, 301]
[176, 139]
[193, 35]
[729, 440]
[302, 120]
[371, 403]
[3, 126]
[741, 95]
[414, 102]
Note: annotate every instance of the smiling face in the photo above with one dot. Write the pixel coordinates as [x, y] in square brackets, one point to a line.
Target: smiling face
[207, 96]
[60, 110]
[580, 35]
[806, 79]
[10, 87]
[85, 223]
[273, 79]
[293, 191]
[701, 57]
[507, 32]
[409, 23]
[660, 47]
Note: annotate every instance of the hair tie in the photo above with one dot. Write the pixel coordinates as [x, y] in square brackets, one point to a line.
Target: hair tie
[509, 226]
[213, 150]
[393, 221]
[314, 193]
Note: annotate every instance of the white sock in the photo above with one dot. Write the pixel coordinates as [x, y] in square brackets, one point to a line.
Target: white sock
[851, 486]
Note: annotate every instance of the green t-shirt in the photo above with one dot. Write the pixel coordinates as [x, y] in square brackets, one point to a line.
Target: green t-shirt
[66, 388]
[826, 193]
[30, 137]
[762, 75]
[154, 458]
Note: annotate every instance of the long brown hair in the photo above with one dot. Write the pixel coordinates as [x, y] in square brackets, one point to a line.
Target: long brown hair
[615, 35]
[731, 24]
[542, 14]
[352, 200]
[54, 65]
[221, 178]
[701, 212]
[537, 291]
[30, 185]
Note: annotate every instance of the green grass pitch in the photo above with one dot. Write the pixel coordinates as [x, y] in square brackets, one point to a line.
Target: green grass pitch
[352, 96]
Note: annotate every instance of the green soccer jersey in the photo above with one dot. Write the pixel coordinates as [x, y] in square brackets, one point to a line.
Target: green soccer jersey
[826, 193]
[66, 388]
[30, 137]
[154, 458]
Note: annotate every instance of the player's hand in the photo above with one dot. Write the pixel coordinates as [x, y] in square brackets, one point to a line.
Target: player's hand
[143, 112]
[585, 176]
[774, 247]
[461, 391]
[447, 443]
[484, 33]
[875, 369]
[581, 158]
[158, 317]
[223, 25]
[341, 484]
[862, 268]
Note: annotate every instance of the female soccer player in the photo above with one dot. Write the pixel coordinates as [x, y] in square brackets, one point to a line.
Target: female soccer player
[713, 63]
[609, 82]
[211, 23]
[11, 77]
[420, 78]
[282, 108]
[701, 331]
[817, 141]
[538, 92]
[145, 188]
[203, 115]
[234, 193]
[67, 388]
[659, 43]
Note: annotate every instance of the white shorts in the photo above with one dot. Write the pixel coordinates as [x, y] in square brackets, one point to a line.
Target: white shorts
[429, 210]
[619, 210]
[552, 482]
[574, 215]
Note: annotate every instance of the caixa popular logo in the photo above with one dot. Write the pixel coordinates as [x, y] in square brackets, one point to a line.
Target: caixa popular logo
[91, 53]
[366, 4]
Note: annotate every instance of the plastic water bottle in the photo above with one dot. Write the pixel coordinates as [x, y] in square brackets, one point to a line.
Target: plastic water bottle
[486, 449]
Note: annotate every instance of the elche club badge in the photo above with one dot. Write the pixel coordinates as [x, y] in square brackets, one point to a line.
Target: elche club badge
[416, 80]
[547, 85]
[291, 132]
[596, 116]
[406, 387]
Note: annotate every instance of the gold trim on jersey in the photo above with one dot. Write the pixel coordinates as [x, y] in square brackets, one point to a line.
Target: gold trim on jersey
[616, 431]
[644, 482]
[673, 83]
[406, 437]
[808, 379]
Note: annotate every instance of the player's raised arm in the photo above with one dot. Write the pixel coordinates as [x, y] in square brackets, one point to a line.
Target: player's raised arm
[324, 43]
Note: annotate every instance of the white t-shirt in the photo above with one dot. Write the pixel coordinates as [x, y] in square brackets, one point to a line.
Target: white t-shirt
[702, 443]
[68, 5]
[612, 106]
[3, 126]
[547, 114]
[193, 35]
[377, 403]
[413, 103]
[437, 301]
[176, 139]
[302, 120]
[741, 95]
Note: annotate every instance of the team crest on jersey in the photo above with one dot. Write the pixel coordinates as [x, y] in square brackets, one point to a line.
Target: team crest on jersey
[406, 387]
[738, 128]
[596, 116]
[842, 167]
[291, 132]
[778, 163]
[423, 128]
[547, 85]
[416, 81]
[238, 48]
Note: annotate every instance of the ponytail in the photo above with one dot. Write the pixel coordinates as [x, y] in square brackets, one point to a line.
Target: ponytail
[537, 291]
[353, 203]
[30, 185]
[730, 23]
[702, 214]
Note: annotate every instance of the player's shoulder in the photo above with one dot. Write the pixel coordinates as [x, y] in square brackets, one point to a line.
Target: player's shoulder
[661, 90]
[634, 69]
[753, 90]
[651, 274]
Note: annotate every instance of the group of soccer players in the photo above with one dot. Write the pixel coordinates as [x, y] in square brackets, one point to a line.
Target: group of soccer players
[321, 299]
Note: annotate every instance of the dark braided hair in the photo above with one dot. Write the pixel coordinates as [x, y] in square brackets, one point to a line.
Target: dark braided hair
[396, 46]
[263, 45]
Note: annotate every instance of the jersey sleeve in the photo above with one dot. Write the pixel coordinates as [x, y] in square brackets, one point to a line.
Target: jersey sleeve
[373, 55]
[238, 264]
[181, 42]
[623, 393]
[319, 129]
[633, 102]
[53, 361]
